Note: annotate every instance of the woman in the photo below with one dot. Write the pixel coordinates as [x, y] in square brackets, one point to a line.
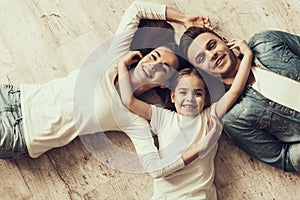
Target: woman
[44, 116]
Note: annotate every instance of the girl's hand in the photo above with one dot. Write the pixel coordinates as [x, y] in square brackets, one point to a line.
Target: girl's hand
[131, 57]
[240, 45]
[197, 20]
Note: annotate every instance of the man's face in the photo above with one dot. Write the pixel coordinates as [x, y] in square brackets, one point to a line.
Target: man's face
[211, 54]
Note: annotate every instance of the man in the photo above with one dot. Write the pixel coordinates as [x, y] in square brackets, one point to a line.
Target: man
[265, 120]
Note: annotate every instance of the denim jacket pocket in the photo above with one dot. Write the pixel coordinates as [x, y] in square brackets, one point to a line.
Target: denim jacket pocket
[272, 123]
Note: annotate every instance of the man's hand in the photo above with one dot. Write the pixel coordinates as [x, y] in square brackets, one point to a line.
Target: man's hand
[240, 45]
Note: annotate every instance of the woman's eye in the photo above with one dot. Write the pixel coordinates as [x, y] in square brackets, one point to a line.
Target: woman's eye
[153, 57]
[164, 68]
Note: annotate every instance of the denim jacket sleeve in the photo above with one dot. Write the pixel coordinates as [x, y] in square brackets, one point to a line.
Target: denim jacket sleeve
[251, 123]
[278, 51]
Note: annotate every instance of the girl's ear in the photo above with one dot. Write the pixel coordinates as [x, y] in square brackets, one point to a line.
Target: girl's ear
[172, 94]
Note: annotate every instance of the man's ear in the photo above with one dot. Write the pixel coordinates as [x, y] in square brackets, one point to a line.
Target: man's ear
[225, 40]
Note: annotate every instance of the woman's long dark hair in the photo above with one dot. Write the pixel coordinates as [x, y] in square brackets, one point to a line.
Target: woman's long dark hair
[150, 35]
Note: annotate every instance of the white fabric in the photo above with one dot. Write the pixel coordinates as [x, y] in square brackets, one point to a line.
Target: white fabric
[175, 134]
[48, 108]
[270, 84]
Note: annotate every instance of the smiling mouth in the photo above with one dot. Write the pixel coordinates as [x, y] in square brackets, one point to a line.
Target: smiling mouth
[146, 72]
[188, 106]
[219, 61]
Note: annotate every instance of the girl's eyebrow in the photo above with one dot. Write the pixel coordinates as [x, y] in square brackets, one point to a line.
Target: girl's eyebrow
[199, 89]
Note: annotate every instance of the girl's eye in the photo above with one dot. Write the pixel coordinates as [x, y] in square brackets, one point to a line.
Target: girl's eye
[198, 94]
[182, 93]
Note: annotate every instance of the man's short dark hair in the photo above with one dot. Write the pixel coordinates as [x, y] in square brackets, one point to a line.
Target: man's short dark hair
[189, 35]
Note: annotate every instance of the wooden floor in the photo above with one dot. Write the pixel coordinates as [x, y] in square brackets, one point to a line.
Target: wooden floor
[43, 40]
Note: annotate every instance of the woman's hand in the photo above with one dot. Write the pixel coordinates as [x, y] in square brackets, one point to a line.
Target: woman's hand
[197, 20]
[131, 57]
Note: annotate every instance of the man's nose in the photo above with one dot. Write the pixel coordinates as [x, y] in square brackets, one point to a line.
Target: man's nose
[212, 55]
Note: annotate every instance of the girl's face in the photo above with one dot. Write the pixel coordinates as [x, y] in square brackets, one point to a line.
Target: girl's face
[189, 95]
[157, 67]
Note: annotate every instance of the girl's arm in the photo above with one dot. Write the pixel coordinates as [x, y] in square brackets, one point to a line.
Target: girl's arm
[240, 80]
[135, 105]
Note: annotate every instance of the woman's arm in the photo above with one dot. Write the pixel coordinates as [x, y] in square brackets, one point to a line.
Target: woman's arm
[135, 105]
[187, 20]
[145, 10]
[240, 80]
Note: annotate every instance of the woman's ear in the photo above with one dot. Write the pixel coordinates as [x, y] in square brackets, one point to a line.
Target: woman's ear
[164, 85]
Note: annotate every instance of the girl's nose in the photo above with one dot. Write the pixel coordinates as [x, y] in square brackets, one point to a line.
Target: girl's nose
[190, 96]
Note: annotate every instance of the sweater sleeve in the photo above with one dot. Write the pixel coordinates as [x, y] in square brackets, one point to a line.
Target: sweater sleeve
[138, 10]
[141, 137]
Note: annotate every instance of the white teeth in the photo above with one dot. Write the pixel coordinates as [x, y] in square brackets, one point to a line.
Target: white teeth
[146, 71]
[188, 106]
[219, 60]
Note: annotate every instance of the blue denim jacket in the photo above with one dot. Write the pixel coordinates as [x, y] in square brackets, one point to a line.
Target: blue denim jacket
[264, 129]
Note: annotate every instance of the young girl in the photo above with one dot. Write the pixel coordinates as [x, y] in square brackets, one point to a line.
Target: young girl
[186, 128]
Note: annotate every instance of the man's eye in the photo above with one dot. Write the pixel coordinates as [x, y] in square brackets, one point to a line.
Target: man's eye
[212, 45]
[200, 58]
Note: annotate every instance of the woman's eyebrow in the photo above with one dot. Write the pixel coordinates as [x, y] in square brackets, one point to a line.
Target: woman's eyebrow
[158, 54]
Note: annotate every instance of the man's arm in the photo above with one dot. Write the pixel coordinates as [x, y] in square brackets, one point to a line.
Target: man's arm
[240, 79]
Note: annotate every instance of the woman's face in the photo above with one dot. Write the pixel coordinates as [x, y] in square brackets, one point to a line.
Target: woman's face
[157, 67]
